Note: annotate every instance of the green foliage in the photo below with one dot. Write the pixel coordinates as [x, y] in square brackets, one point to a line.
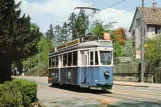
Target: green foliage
[45, 46]
[152, 50]
[98, 28]
[78, 24]
[10, 95]
[157, 75]
[50, 33]
[18, 37]
[18, 93]
[118, 49]
[28, 90]
[128, 48]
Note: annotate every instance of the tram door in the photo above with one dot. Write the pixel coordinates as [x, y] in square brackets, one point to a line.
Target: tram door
[84, 72]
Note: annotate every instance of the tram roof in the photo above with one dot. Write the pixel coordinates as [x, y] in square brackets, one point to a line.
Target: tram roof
[88, 44]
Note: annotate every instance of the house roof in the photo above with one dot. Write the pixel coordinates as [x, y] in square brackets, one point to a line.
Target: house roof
[151, 16]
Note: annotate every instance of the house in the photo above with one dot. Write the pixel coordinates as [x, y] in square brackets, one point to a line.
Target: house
[151, 25]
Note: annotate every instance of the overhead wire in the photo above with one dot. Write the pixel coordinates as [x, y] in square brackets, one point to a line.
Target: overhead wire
[110, 7]
[95, 3]
[113, 4]
[128, 11]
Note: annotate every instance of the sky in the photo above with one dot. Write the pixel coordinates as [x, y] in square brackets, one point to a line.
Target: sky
[45, 12]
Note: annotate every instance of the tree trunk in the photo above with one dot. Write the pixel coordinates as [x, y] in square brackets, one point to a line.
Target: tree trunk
[5, 69]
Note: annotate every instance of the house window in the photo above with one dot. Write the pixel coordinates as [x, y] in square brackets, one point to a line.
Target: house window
[157, 30]
[138, 21]
[133, 34]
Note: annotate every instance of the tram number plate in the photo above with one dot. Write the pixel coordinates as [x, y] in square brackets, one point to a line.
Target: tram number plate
[109, 43]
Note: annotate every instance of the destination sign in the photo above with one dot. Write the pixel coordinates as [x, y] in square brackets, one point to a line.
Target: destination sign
[61, 46]
[107, 43]
[74, 42]
[68, 44]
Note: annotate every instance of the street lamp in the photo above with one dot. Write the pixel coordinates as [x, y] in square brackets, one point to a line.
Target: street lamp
[142, 43]
[38, 61]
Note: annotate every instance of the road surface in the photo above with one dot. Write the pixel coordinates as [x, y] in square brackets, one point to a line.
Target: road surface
[119, 96]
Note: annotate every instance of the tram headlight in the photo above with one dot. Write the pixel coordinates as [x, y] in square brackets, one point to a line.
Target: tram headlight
[106, 73]
[52, 74]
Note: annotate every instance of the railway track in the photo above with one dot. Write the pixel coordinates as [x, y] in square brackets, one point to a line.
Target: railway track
[119, 96]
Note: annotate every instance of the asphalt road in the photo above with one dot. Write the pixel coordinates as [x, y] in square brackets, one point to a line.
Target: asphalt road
[119, 96]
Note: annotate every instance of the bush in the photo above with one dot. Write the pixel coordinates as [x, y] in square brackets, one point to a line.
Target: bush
[10, 95]
[157, 75]
[28, 91]
[18, 93]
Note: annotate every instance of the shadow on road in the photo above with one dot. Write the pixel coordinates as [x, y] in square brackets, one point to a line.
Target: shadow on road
[80, 90]
[136, 104]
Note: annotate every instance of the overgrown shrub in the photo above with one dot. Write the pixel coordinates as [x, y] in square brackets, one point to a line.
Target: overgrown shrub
[28, 91]
[10, 95]
[18, 93]
[157, 75]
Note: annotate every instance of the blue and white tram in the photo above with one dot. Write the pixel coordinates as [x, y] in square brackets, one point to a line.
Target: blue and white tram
[85, 64]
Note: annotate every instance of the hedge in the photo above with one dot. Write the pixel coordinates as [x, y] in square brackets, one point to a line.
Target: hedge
[18, 93]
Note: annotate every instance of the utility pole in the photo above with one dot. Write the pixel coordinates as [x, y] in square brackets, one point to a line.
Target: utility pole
[39, 61]
[142, 43]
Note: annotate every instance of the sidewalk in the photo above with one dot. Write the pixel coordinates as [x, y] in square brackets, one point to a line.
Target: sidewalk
[137, 84]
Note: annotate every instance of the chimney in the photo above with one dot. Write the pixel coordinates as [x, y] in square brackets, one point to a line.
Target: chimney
[154, 5]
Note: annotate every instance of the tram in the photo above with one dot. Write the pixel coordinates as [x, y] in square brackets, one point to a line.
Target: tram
[84, 63]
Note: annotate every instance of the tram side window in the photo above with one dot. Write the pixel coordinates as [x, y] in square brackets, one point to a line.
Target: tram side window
[61, 61]
[91, 58]
[56, 61]
[96, 58]
[53, 62]
[64, 60]
[69, 59]
[50, 60]
[75, 58]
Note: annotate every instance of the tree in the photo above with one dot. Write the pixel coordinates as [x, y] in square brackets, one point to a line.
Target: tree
[71, 24]
[18, 38]
[45, 46]
[57, 30]
[50, 34]
[118, 49]
[128, 48]
[78, 24]
[97, 28]
[121, 36]
[64, 35]
[152, 51]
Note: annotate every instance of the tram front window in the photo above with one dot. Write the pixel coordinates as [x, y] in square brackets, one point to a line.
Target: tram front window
[106, 57]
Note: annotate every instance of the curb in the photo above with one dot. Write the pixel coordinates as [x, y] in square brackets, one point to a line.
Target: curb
[41, 104]
[131, 85]
[138, 84]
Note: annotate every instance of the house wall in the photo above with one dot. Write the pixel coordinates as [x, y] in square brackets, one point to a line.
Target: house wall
[151, 32]
[137, 28]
